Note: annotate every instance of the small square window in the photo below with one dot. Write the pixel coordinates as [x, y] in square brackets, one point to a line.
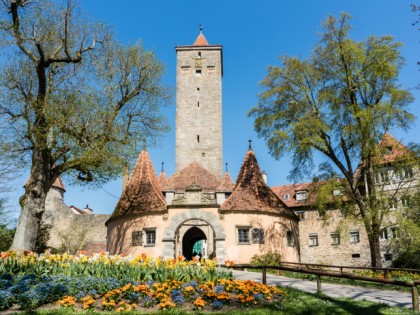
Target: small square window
[388, 257]
[243, 235]
[150, 237]
[137, 238]
[335, 238]
[290, 238]
[300, 214]
[198, 72]
[258, 236]
[313, 239]
[384, 234]
[286, 197]
[210, 70]
[394, 231]
[406, 201]
[301, 195]
[354, 237]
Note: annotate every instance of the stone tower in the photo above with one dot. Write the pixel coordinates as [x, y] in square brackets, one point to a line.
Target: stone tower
[199, 72]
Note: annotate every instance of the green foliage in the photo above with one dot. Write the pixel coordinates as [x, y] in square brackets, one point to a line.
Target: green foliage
[268, 259]
[6, 231]
[339, 102]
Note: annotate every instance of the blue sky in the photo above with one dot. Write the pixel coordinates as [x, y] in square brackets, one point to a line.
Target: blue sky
[253, 35]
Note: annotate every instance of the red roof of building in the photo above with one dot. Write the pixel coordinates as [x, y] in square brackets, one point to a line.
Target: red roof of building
[201, 40]
[287, 193]
[227, 183]
[163, 181]
[143, 192]
[58, 183]
[194, 173]
[251, 193]
[391, 149]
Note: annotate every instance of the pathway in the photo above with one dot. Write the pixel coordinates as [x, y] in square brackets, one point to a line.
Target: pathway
[393, 298]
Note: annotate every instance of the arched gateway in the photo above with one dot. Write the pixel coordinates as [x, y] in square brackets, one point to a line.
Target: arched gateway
[187, 227]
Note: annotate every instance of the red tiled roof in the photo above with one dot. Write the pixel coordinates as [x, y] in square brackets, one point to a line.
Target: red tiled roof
[227, 183]
[291, 190]
[58, 183]
[396, 149]
[251, 193]
[142, 193]
[201, 40]
[163, 181]
[194, 173]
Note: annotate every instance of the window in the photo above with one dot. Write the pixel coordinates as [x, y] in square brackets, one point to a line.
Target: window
[337, 192]
[301, 214]
[137, 238]
[313, 239]
[354, 237]
[382, 176]
[243, 235]
[406, 201]
[403, 173]
[394, 232]
[185, 70]
[301, 195]
[388, 257]
[198, 138]
[198, 72]
[335, 238]
[290, 239]
[286, 197]
[198, 104]
[258, 236]
[355, 255]
[210, 70]
[150, 237]
[384, 234]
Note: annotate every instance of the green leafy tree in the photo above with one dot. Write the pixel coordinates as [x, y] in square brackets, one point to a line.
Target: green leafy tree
[6, 227]
[339, 102]
[72, 100]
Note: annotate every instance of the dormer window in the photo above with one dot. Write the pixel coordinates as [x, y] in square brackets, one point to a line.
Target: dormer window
[286, 197]
[301, 195]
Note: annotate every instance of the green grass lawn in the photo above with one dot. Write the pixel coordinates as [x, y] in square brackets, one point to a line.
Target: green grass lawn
[295, 302]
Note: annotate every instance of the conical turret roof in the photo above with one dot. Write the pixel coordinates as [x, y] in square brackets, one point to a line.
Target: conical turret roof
[227, 183]
[251, 193]
[201, 40]
[142, 193]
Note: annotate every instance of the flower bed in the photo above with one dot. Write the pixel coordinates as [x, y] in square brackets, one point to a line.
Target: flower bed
[117, 283]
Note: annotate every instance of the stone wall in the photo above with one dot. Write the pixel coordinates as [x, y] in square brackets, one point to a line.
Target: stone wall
[62, 219]
[199, 107]
[346, 252]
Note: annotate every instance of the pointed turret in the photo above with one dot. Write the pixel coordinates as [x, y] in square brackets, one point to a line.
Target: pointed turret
[227, 183]
[251, 193]
[142, 193]
[201, 40]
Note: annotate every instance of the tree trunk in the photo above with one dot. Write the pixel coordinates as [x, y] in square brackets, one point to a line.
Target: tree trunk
[29, 223]
[33, 203]
[375, 250]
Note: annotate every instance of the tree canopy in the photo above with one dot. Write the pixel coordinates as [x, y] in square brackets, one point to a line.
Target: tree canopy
[73, 100]
[339, 102]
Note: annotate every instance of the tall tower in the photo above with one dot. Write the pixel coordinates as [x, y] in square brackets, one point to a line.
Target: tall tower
[199, 72]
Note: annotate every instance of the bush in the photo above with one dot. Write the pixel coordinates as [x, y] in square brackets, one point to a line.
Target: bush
[408, 260]
[268, 259]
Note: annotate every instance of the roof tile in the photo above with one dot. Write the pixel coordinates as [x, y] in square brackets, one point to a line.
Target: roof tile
[194, 173]
[143, 192]
[251, 193]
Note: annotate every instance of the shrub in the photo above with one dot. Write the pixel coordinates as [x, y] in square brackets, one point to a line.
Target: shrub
[268, 259]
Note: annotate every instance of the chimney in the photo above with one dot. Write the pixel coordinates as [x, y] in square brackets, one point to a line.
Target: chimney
[264, 175]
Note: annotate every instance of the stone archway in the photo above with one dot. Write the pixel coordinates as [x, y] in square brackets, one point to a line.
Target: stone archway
[193, 236]
[169, 238]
